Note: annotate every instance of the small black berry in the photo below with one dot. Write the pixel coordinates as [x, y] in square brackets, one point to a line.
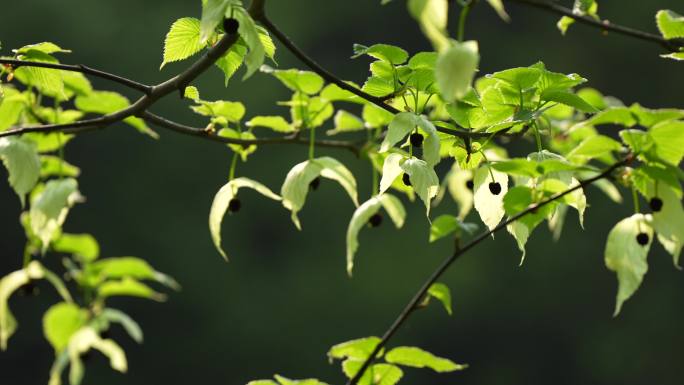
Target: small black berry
[375, 220]
[656, 204]
[642, 239]
[470, 185]
[417, 140]
[234, 205]
[231, 26]
[105, 335]
[406, 179]
[313, 186]
[495, 188]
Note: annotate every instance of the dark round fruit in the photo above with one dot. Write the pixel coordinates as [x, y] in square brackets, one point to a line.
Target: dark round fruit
[313, 186]
[495, 188]
[406, 179]
[29, 290]
[234, 205]
[417, 140]
[656, 204]
[375, 220]
[470, 185]
[642, 239]
[105, 335]
[85, 357]
[231, 26]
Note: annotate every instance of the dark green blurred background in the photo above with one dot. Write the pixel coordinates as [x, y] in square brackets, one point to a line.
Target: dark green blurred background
[285, 298]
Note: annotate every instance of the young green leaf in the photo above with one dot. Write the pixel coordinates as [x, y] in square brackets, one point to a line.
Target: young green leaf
[222, 201]
[432, 15]
[346, 122]
[625, 254]
[307, 82]
[431, 146]
[423, 179]
[377, 374]
[50, 208]
[82, 246]
[275, 123]
[250, 34]
[107, 102]
[460, 185]
[670, 24]
[20, 157]
[669, 140]
[668, 222]
[364, 213]
[86, 339]
[389, 53]
[297, 182]
[456, 68]
[442, 293]
[391, 169]
[61, 321]
[488, 204]
[126, 267]
[131, 327]
[499, 8]
[402, 125]
[359, 349]
[231, 61]
[418, 358]
[232, 112]
[213, 13]
[128, 287]
[182, 41]
[446, 225]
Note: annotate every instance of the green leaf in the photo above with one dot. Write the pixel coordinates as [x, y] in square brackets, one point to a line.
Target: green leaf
[593, 147]
[286, 381]
[61, 321]
[346, 122]
[391, 170]
[307, 82]
[130, 288]
[400, 127]
[569, 99]
[250, 34]
[20, 157]
[44, 47]
[86, 339]
[213, 13]
[679, 56]
[432, 15]
[488, 205]
[669, 141]
[499, 8]
[11, 107]
[431, 145]
[54, 166]
[47, 81]
[262, 382]
[359, 349]
[457, 184]
[222, 201]
[182, 41]
[231, 111]
[83, 246]
[275, 123]
[296, 185]
[442, 293]
[668, 223]
[231, 61]
[418, 358]
[423, 179]
[131, 327]
[51, 206]
[670, 24]
[363, 214]
[626, 257]
[378, 374]
[389, 53]
[456, 68]
[446, 225]
[127, 267]
[107, 102]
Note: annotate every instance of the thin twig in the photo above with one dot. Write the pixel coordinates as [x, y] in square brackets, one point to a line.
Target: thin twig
[82, 69]
[206, 134]
[605, 25]
[420, 294]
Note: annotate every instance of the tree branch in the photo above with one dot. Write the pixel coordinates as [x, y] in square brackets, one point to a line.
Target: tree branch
[82, 69]
[441, 269]
[156, 92]
[199, 132]
[605, 25]
[331, 78]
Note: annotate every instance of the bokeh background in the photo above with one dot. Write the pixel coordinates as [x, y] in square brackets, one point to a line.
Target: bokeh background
[284, 299]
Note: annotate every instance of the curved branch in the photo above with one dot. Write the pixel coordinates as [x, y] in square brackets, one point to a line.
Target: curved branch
[82, 69]
[605, 25]
[198, 132]
[414, 303]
